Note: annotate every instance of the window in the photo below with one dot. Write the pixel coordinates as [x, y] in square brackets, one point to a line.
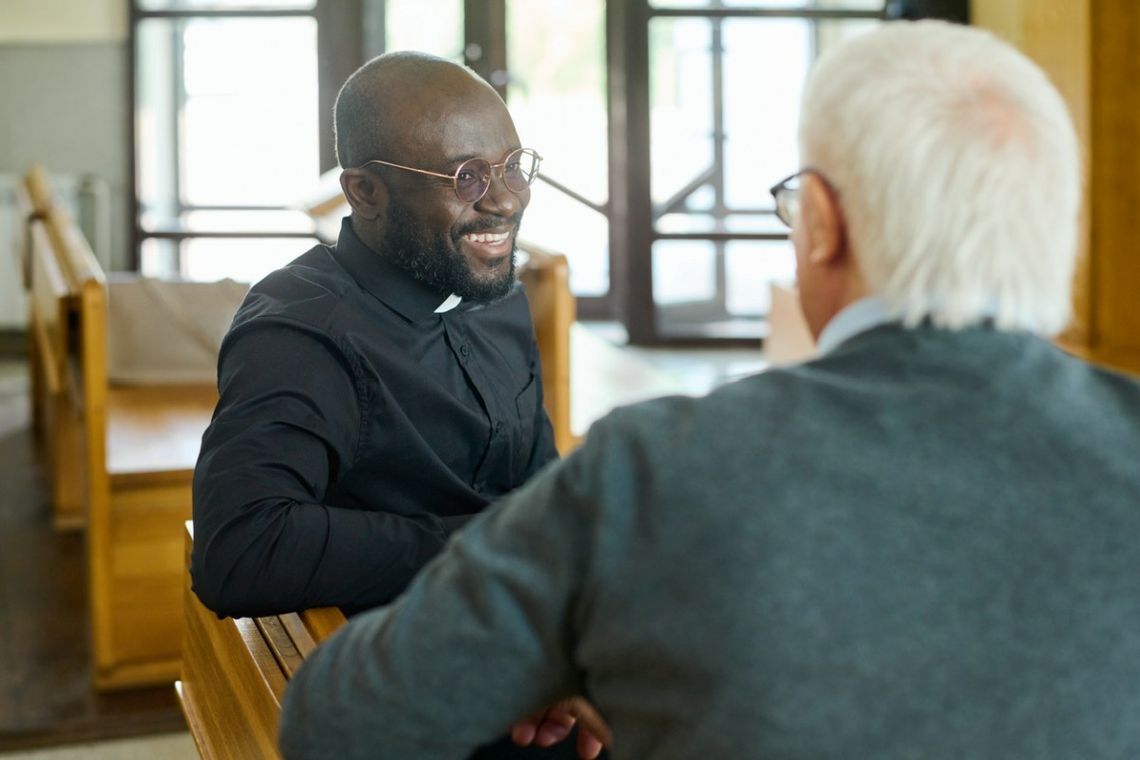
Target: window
[430, 26]
[227, 134]
[716, 127]
[662, 124]
[557, 95]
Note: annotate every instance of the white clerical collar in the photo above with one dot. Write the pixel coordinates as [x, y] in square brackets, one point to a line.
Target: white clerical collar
[449, 304]
[857, 317]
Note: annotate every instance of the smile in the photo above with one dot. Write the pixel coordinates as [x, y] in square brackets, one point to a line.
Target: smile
[492, 246]
[487, 238]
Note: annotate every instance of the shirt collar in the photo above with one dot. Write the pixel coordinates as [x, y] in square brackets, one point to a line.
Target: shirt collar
[413, 299]
[452, 301]
[857, 317]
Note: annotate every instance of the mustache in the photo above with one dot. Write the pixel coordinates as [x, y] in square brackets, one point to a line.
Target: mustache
[488, 223]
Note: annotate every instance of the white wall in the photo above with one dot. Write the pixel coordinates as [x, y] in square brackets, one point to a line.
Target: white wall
[63, 86]
[62, 21]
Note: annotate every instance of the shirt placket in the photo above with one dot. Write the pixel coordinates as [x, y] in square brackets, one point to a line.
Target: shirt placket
[469, 362]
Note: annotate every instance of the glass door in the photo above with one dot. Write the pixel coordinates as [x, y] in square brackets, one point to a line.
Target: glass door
[723, 80]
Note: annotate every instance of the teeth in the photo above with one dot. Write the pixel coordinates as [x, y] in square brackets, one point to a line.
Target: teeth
[487, 238]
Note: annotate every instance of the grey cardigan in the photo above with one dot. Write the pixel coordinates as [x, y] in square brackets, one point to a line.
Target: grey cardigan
[922, 545]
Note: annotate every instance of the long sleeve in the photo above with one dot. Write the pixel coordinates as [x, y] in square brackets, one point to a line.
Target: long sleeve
[266, 541]
[481, 638]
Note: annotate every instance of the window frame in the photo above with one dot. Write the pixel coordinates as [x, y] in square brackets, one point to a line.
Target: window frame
[340, 46]
[634, 227]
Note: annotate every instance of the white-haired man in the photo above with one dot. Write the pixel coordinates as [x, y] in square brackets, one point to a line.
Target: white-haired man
[920, 544]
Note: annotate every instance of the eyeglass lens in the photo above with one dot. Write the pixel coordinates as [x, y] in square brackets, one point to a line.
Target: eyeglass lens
[473, 177]
[788, 203]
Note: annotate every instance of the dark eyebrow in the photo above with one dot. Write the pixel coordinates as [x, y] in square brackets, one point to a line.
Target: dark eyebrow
[457, 160]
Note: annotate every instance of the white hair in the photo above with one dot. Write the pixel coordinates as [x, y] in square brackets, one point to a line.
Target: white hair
[957, 168]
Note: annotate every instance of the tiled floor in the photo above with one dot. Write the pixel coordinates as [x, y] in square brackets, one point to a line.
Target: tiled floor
[13, 396]
[604, 375]
[697, 370]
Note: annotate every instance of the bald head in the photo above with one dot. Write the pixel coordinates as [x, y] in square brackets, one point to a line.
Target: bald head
[385, 99]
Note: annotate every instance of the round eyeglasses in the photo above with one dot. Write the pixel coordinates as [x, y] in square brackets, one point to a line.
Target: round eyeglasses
[786, 193]
[472, 178]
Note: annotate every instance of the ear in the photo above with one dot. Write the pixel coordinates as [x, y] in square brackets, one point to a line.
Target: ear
[823, 217]
[365, 192]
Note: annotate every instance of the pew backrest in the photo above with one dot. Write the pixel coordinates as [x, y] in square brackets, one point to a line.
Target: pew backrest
[87, 314]
[51, 299]
[38, 186]
[546, 277]
[54, 325]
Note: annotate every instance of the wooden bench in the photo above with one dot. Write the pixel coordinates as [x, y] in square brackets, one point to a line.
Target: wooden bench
[234, 672]
[546, 277]
[122, 461]
[53, 294]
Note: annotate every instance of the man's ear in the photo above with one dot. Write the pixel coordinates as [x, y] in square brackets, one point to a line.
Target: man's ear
[365, 192]
[826, 227]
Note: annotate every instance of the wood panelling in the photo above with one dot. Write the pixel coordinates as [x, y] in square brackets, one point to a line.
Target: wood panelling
[1089, 49]
[1114, 186]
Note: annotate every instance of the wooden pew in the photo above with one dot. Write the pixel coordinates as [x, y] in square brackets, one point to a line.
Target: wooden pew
[131, 449]
[234, 672]
[53, 291]
[39, 189]
[22, 250]
[546, 277]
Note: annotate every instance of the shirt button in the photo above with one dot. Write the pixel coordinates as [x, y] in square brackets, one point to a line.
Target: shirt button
[465, 350]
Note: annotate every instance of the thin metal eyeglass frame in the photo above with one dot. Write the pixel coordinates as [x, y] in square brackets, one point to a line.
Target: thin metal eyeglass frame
[780, 191]
[490, 176]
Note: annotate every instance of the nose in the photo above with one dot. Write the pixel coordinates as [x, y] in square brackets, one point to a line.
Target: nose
[500, 199]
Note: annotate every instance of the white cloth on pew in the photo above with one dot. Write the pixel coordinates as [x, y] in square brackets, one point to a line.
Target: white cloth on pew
[167, 332]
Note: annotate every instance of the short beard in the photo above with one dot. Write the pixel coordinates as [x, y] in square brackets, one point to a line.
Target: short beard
[436, 260]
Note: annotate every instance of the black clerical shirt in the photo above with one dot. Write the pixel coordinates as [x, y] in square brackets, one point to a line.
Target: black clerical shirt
[357, 427]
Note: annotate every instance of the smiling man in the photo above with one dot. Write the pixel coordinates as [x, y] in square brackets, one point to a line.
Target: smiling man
[378, 393]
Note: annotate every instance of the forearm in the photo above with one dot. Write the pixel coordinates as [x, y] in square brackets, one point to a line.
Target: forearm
[479, 641]
[278, 556]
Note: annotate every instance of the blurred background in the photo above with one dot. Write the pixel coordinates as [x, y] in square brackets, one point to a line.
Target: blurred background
[189, 132]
